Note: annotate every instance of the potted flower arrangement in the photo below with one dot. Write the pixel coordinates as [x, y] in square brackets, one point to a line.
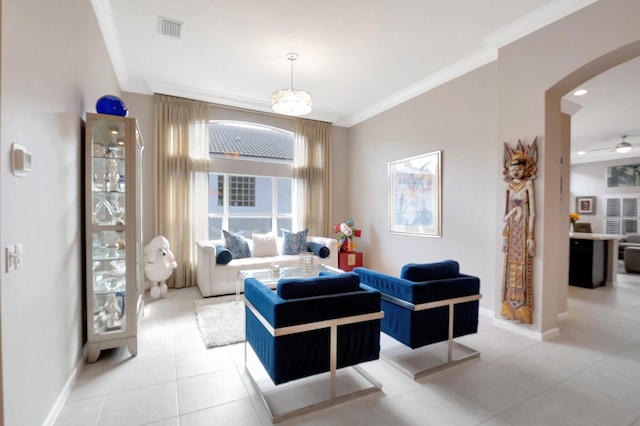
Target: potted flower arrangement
[573, 218]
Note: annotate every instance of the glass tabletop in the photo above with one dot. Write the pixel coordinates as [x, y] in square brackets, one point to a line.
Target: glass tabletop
[270, 278]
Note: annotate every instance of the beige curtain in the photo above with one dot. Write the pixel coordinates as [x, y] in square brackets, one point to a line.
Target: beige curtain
[182, 132]
[312, 176]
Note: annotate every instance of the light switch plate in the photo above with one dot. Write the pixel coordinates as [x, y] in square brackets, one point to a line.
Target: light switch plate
[19, 256]
[10, 260]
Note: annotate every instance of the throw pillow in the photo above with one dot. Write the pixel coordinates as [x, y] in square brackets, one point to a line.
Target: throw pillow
[294, 242]
[223, 256]
[236, 244]
[419, 272]
[318, 250]
[264, 245]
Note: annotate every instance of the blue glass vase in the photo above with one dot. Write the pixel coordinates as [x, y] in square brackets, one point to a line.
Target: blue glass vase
[111, 105]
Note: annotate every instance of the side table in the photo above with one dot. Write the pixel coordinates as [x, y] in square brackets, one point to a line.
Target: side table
[347, 260]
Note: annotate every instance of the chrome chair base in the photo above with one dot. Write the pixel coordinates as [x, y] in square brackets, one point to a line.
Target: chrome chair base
[309, 394]
[421, 362]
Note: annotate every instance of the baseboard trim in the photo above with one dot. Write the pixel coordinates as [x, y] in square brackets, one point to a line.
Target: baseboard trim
[487, 313]
[521, 329]
[66, 390]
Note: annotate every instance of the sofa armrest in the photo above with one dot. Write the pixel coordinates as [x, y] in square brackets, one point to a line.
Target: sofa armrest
[262, 298]
[206, 256]
[206, 245]
[332, 243]
[448, 288]
[386, 284]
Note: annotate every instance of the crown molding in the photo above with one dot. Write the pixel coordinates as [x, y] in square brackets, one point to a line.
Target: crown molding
[508, 34]
[540, 18]
[104, 15]
[230, 100]
[449, 73]
[532, 22]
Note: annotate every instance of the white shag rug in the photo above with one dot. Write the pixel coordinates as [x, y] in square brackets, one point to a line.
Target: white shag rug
[220, 320]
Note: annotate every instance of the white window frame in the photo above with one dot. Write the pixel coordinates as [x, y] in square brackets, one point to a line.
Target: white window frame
[623, 220]
[274, 215]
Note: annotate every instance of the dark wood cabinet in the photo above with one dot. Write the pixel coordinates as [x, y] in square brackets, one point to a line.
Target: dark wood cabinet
[587, 263]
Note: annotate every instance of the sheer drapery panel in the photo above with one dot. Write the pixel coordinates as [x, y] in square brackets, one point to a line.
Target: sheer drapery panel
[182, 132]
[312, 176]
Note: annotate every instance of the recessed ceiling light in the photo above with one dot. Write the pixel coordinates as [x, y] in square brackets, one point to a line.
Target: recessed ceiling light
[581, 152]
[580, 92]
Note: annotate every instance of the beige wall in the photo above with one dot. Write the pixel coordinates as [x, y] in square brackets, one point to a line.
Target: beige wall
[469, 119]
[54, 69]
[458, 118]
[44, 99]
[141, 107]
[534, 73]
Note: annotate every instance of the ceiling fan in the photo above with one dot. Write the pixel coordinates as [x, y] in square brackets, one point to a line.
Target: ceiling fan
[623, 147]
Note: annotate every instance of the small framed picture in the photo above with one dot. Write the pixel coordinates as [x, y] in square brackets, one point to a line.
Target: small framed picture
[586, 205]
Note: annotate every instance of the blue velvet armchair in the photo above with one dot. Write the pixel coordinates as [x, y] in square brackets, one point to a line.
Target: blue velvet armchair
[429, 303]
[310, 326]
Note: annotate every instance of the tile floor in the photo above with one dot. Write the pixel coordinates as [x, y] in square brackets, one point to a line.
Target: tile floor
[589, 375]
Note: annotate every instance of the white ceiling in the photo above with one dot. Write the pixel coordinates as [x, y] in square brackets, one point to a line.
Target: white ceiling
[357, 58]
[610, 110]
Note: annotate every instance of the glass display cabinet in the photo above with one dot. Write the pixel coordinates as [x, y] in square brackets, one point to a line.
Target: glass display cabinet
[115, 273]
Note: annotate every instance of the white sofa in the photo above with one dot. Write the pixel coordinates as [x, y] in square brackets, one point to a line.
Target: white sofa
[215, 279]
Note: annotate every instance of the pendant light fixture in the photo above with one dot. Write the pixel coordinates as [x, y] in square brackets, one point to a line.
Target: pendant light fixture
[291, 101]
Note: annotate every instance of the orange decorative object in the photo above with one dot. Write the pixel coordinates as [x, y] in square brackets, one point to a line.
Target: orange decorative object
[347, 231]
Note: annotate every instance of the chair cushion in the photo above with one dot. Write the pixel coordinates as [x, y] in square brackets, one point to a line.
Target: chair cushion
[236, 244]
[297, 288]
[265, 245]
[418, 272]
[223, 256]
[318, 250]
[294, 242]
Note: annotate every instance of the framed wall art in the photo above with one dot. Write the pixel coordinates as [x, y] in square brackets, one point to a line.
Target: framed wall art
[415, 195]
[586, 205]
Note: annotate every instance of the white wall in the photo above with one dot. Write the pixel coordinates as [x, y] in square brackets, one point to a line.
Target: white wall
[54, 69]
[590, 179]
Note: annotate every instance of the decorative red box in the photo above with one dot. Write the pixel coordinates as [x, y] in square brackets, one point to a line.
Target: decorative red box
[349, 260]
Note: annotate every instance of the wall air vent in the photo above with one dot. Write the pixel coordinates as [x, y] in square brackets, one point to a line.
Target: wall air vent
[169, 27]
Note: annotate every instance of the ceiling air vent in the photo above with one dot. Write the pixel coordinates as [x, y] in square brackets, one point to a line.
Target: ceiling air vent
[169, 27]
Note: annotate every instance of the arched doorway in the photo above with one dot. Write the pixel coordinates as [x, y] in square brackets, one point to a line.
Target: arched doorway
[558, 131]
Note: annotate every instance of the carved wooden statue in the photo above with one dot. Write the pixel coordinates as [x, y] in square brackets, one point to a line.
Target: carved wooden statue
[518, 234]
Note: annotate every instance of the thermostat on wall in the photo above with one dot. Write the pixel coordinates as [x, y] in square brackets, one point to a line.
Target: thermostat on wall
[20, 160]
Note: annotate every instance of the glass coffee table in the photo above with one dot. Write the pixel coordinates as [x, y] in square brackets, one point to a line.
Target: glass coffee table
[271, 278]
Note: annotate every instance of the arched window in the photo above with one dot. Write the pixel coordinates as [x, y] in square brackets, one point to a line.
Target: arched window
[250, 178]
